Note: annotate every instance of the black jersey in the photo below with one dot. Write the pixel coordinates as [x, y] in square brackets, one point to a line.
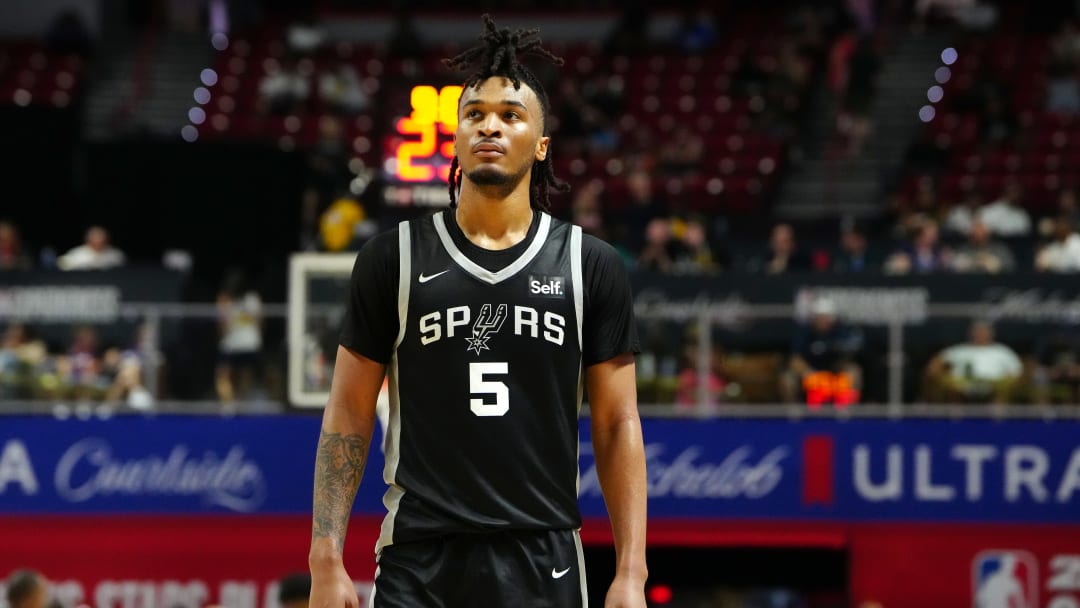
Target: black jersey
[485, 353]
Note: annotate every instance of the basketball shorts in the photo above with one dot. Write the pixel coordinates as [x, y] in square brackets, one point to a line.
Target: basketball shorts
[508, 569]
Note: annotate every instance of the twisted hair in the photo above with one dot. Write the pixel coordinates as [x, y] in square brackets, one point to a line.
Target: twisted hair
[498, 54]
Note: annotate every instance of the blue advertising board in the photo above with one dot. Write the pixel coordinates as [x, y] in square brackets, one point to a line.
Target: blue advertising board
[854, 470]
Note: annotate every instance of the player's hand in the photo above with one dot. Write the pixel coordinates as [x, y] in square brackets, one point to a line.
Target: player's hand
[625, 592]
[332, 587]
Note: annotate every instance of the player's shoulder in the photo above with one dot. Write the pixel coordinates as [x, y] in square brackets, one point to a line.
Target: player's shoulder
[383, 242]
[596, 252]
[379, 252]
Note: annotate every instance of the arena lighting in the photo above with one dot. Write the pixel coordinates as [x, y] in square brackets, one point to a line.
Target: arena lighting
[219, 41]
[948, 56]
[935, 93]
[208, 77]
[196, 115]
[927, 113]
[942, 75]
[202, 95]
[660, 594]
[189, 133]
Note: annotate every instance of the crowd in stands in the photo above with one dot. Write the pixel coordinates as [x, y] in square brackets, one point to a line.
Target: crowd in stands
[706, 116]
[674, 149]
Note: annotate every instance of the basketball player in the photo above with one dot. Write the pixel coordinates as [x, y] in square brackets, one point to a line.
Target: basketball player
[490, 318]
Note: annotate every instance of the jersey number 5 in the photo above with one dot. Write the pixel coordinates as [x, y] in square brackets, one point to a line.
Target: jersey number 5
[478, 385]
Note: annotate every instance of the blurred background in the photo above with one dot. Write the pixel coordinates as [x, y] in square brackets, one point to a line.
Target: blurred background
[850, 226]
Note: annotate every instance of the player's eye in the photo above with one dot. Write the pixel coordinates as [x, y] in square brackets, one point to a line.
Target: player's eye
[472, 114]
[511, 115]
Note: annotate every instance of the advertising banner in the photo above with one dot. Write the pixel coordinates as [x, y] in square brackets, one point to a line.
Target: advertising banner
[911, 566]
[157, 512]
[1021, 471]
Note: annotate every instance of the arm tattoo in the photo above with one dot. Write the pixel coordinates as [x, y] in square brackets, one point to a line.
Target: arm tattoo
[339, 465]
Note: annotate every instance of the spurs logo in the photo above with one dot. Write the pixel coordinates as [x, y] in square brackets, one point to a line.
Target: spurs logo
[486, 325]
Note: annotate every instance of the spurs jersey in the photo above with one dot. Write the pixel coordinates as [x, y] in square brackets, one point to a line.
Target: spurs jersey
[486, 354]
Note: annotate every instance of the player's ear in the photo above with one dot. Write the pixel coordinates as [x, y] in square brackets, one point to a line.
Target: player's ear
[542, 147]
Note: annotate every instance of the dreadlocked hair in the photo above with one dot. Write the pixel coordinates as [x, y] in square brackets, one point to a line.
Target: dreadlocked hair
[498, 55]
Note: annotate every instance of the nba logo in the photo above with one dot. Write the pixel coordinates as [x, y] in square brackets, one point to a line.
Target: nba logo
[1005, 579]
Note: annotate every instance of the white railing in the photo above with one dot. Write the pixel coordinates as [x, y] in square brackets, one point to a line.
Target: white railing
[705, 316]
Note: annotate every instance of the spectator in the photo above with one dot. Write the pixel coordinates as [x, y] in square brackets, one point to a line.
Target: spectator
[305, 35]
[12, 256]
[682, 152]
[1006, 216]
[94, 254]
[342, 223]
[977, 371]
[656, 255]
[1067, 206]
[824, 348]
[1057, 376]
[22, 358]
[294, 590]
[240, 325]
[924, 254]
[695, 256]
[82, 366]
[982, 254]
[340, 89]
[284, 89]
[587, 207]
[1063, 253]
[27, 589]
[959, 218]
[328, 178]
[910, 215]
[785, 255]
[644, 207]
[122, 379]
[687, 393]
[853, 257]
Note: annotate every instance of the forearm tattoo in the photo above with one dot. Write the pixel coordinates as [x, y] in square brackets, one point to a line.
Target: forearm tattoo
[339, 465]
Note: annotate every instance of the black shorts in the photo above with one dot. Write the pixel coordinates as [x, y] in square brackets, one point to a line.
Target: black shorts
[512, 569]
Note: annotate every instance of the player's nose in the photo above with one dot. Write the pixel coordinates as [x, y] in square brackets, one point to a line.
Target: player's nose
[491, 125]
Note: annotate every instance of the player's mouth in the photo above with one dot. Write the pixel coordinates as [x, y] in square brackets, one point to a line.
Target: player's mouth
[488, 150]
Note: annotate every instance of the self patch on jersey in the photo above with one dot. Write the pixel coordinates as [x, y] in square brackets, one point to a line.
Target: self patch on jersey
[542, 286]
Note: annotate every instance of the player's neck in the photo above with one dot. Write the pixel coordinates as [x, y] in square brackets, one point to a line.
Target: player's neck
[492, 220]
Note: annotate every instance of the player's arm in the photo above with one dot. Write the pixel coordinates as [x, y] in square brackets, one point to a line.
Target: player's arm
[348, 423]
[620, 464]
[609, 343]
[369, 328]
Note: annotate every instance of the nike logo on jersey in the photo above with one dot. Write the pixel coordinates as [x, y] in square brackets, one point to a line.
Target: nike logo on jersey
[425, 279]
[558, 574]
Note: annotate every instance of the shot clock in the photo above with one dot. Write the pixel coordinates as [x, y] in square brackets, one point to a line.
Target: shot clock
[420, 147]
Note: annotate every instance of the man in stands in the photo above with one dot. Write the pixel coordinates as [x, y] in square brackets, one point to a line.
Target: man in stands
[979, 370]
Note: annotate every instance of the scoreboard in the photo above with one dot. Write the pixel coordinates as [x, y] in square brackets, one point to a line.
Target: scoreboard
[420, 148]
